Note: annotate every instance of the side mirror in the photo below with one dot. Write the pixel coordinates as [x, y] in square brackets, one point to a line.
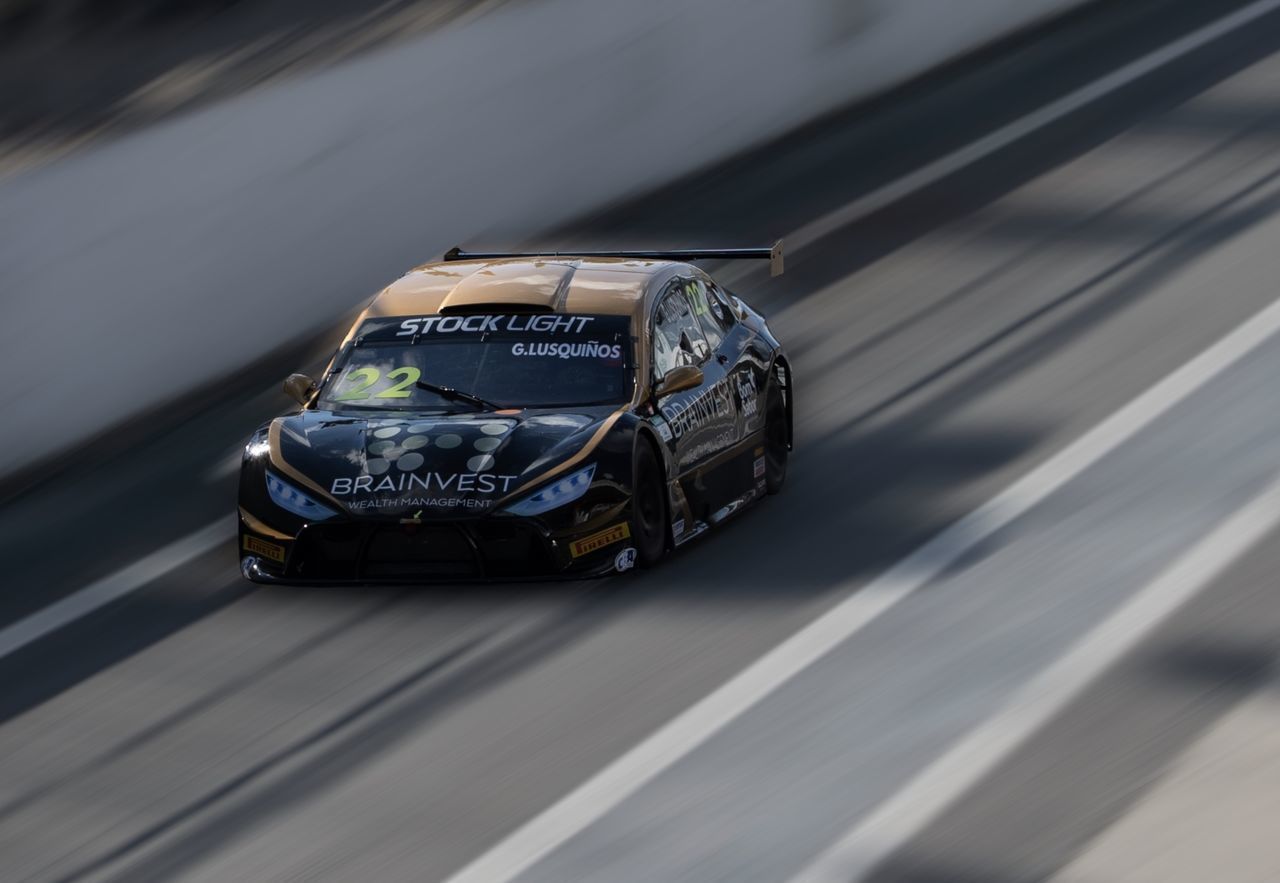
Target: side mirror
[300, 388]
[678, 380]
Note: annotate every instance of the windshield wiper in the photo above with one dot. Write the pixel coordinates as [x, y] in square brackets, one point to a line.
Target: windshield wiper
[457, 395]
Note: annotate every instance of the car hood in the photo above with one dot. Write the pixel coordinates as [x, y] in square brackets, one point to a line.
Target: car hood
[427, 466]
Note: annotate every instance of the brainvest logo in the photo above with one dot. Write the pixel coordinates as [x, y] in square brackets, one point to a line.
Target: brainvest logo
[437, 482]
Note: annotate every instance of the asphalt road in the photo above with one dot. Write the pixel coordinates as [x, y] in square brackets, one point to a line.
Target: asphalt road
[944, 347]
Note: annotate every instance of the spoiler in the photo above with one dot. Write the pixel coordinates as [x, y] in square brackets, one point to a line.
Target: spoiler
[773, 254]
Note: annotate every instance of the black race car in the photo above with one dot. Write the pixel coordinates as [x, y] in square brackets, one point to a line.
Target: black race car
[503, 416]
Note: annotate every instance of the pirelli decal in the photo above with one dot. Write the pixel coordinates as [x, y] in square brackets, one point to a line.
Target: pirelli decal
[600, 539]
[263, 548]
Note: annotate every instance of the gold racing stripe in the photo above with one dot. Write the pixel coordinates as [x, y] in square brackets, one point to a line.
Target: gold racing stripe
[256, 525]
[571, 462]
[278, 461]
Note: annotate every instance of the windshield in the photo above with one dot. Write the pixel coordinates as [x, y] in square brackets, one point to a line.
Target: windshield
[509, 361]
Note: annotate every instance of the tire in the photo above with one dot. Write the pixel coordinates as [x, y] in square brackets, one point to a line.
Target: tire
[777, 443]
[648, 506]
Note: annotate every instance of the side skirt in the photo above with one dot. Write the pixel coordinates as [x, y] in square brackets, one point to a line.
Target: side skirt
[720, 515]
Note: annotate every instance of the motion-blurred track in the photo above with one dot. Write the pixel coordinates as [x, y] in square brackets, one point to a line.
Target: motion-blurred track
[944, 347]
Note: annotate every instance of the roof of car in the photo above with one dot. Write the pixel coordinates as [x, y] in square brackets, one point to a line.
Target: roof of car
[610, 286]
[561, 284]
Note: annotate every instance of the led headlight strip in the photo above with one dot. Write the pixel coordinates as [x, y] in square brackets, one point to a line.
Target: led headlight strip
[559, 492]
[289, 498]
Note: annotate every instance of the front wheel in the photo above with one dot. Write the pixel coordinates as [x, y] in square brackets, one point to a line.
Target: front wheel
[648, 506]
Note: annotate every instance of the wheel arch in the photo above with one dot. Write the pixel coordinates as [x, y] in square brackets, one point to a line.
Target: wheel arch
[645, 434]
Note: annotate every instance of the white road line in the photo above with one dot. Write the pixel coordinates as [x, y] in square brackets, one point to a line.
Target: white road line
[626, 775]
[901, 818]
[114, 587]
[985, 146]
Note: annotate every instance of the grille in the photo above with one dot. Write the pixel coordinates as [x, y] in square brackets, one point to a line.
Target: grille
[390, 550]
[410, 550]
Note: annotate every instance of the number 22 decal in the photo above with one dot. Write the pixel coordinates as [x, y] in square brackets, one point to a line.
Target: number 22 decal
[364, 378]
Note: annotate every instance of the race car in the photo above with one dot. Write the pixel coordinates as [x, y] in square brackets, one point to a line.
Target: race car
[519, 416]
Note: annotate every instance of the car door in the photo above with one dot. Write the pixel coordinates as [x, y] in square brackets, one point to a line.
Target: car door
[702, 420]
[737, 348]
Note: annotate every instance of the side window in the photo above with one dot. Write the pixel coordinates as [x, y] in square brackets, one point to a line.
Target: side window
[706, 312]
[721, 306]
[677, 337]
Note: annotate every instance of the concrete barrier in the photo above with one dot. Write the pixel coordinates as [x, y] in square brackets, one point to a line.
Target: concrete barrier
[171, 257]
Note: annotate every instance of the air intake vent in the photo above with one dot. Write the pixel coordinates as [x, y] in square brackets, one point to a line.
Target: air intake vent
[491, 308]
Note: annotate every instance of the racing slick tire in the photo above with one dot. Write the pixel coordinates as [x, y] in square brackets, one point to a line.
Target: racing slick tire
[776, 444]
[648, 506]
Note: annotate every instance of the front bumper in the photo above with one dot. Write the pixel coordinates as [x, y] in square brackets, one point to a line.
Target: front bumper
[382, 552]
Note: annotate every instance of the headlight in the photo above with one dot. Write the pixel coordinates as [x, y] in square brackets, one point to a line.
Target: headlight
[289, 498]
[566, 490]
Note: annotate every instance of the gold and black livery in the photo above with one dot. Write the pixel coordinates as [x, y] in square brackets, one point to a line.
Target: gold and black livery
[518, 416]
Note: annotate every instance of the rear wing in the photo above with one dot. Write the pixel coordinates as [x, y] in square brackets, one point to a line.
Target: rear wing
[773, 254]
